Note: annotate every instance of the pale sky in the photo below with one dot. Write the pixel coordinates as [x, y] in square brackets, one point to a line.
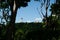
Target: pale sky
[30, 13]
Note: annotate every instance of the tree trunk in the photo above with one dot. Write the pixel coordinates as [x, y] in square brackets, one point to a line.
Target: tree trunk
[10, 32]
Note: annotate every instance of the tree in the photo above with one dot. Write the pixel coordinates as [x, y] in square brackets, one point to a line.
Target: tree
[48, 20]
[14, 5]
[44, 4]
[55, 10]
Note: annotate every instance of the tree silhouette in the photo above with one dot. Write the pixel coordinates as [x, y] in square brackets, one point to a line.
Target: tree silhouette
[55, 10]
[14, 5]
[45, 4]
[48, 20]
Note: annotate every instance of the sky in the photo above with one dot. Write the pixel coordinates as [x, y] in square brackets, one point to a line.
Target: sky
[30, 13]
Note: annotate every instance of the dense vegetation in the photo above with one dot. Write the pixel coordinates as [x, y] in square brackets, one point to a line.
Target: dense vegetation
[49, 29]
[34, 31]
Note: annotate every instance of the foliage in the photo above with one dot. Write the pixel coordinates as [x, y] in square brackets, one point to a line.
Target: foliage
[14, 5]
[55, 10]
[24, 28]
[31, 31]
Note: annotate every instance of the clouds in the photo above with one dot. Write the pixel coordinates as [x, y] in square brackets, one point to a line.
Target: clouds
[38, 20]
[29, 21]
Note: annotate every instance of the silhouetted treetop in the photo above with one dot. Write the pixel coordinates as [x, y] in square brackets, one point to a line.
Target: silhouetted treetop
[55, 8]
[19, 3]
